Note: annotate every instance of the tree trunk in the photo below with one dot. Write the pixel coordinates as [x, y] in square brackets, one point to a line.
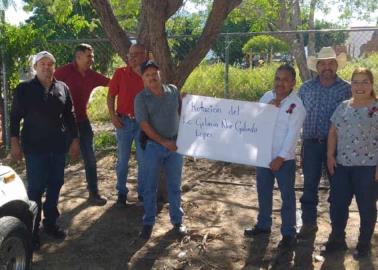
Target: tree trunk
[151, 32]
[298, 52]
[311, 26]
[290, 20]
[117, 36]
[298, 44]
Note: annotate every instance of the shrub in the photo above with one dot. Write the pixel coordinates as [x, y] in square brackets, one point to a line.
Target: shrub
[244, 84]
[104, 140]
[97, 108]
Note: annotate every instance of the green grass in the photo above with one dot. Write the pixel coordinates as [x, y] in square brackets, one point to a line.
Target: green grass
[98, 108]
[104, 140]
[244, 84]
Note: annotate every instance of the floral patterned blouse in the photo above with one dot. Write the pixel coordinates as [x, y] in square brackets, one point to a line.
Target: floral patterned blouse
[357, 134]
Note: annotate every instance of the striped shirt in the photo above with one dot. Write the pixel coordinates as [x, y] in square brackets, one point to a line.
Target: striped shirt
[320, 102]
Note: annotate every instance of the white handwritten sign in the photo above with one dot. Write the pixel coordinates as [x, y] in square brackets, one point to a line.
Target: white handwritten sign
[227, 130]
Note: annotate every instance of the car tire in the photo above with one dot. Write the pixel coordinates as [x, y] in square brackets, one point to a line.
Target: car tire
[15, 244]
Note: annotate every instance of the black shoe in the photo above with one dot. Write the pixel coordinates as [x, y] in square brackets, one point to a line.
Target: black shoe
[96, 199]
[307, 230]
[55, 231]
[180, 229]
[362, 251]
[249, 232]
[146, 232]
[36, 242]
[334, 245]
[287, 242]
[121, 201]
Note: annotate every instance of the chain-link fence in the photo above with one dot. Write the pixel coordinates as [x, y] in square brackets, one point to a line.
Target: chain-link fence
[242, 65]
[239, 65]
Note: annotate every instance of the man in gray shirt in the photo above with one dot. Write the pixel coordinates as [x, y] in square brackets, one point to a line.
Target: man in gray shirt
[157, 110]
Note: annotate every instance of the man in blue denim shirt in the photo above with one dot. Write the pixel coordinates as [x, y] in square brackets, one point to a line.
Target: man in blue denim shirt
[320, 97]
[157, 110]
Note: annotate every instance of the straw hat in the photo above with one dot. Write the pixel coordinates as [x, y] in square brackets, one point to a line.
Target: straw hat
[327, 53]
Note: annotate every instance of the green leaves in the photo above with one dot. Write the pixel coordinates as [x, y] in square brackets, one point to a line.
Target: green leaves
[61, 9]
[265, 44]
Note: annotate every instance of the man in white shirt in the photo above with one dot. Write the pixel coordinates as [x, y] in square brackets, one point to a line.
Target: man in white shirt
[287, 128]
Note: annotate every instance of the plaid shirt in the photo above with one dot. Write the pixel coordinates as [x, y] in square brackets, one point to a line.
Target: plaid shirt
[320, 103]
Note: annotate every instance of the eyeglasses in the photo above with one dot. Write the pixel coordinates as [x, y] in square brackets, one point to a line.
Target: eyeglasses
[364, 82]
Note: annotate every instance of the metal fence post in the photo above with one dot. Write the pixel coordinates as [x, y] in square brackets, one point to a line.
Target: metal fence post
[226, 65]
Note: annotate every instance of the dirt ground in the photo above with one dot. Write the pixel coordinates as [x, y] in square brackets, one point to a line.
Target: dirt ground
[219, 201]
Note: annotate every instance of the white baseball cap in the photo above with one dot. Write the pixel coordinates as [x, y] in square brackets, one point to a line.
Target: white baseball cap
[43, 54]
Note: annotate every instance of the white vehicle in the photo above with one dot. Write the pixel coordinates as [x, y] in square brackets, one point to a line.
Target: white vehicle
[17, 216]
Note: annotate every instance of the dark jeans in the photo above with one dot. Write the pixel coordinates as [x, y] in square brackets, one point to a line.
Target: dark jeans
[346, 182]
[265, 181]
[87, 152]
[314, 157]
[45, 173]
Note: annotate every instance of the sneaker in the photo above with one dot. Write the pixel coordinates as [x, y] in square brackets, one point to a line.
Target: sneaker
[362, 251]
[146, 232]
[307, 230]
[55, 231]
[287, 242]
[96, 199]
[121, 201]
[250, 232]
[180, 229]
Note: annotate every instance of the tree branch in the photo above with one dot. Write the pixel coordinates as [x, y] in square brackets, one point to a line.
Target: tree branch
[117, 36]
[173, 6]
[219, 12]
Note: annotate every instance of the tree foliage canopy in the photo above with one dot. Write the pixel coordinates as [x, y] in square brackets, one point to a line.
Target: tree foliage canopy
[265, 44]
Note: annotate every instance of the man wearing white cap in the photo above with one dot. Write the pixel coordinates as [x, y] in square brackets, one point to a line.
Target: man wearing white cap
[320, 95]
[45, 106]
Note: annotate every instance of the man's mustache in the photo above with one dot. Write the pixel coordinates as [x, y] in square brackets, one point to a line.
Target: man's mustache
[329, 70]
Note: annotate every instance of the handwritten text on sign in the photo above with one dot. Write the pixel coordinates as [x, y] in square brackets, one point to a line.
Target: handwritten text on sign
[227, 130]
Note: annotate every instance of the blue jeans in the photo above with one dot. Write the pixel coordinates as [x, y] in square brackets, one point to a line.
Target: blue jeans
[346, 182]
[314, 158]
[157, 157]
[265, 181]
[87, 152]
[45, 173]
[125, 137]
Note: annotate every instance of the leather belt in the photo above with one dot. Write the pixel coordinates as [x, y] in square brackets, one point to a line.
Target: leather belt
[132, 117]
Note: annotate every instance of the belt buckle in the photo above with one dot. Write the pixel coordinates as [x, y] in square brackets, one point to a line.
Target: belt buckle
[130, 116]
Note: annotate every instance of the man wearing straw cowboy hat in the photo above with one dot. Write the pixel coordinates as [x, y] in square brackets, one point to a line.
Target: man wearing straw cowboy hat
[320, 95]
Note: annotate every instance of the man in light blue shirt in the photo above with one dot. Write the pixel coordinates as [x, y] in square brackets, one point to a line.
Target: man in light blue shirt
[320, 97]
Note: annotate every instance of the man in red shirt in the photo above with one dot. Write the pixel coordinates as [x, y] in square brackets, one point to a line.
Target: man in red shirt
[125, 85]
[81, 80]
